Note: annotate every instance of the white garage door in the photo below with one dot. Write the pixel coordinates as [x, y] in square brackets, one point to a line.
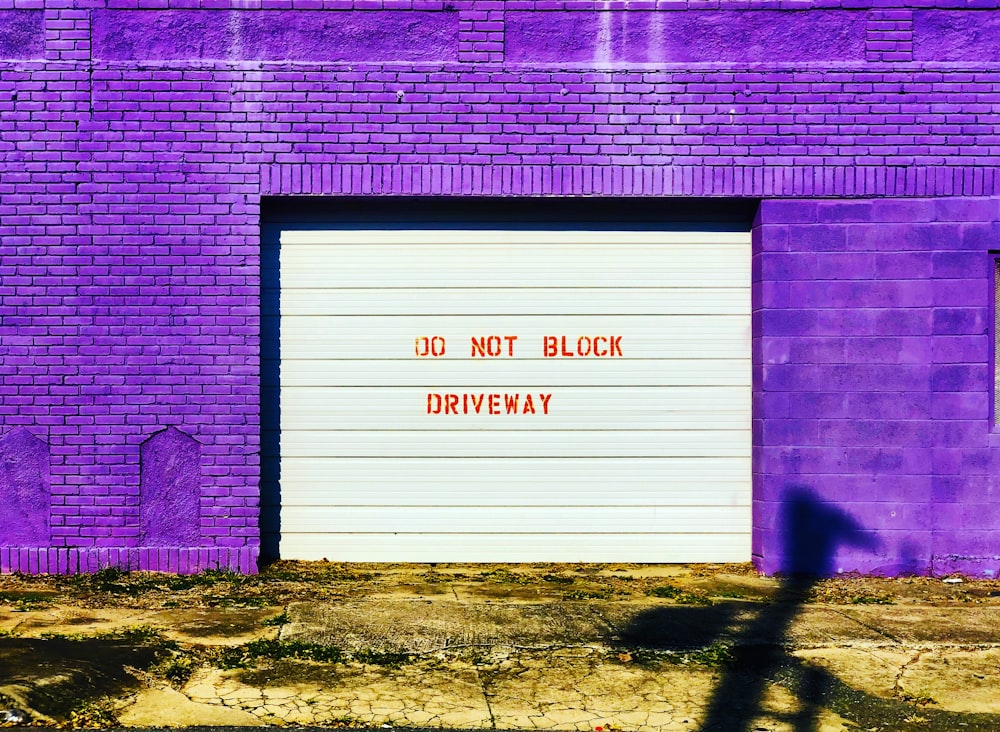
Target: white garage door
[515, 395]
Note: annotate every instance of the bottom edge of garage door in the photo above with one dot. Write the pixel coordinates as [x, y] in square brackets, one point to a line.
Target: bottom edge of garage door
[598, 546]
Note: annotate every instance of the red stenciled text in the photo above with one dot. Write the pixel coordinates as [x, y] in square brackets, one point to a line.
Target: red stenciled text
[484, 403]
[594, 346]
[493, 346]
[429, 346]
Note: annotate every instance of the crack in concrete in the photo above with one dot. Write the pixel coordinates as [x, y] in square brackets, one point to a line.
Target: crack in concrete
[872, 628]
[897, 689]
[480, 675]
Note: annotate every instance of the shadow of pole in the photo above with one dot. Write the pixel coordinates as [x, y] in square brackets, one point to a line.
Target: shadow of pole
[811, 531]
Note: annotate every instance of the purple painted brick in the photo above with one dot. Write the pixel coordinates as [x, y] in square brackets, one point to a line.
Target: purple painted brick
[129, 233]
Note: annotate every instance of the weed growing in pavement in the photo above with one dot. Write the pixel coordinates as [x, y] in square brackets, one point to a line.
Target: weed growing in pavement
[871, 600]
[24, 601]
[134, 634]
[344, 721]
[506, 577]
[433, 577]
[557, 579]
[717, 654]
[311, 572]
[177, 668]
[107, 579]
[389, 659]
[681, 597]
[733, 595]
[246, 601]
[93, 715]
[245, 656]
[274, 650]
[208, 578]
[276, 621]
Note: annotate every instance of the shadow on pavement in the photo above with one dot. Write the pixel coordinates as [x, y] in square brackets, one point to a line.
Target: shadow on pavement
[758, 639]
[55, 675]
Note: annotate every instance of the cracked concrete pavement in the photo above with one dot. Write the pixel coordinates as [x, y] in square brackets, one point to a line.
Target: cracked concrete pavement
[520, 654]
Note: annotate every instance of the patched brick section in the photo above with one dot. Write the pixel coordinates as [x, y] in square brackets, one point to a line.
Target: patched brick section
[889, 35]
[481, 33]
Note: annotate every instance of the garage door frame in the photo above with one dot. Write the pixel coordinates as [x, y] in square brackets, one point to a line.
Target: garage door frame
[419, 212]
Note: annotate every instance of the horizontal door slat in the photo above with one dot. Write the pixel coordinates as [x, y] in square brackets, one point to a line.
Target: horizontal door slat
[512, 301]
[622, 408]
[497, 376]
[602, 544]
[391, 336]
[514, 520]
[493, 443]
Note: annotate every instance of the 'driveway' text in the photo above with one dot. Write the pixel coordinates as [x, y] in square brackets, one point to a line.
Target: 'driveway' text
[483, 403]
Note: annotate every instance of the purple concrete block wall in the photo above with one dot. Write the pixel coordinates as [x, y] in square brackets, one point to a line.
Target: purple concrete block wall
[137, 138]
[874, 389]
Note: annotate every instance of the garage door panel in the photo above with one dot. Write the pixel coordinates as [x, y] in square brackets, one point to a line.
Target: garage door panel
[514, 265]
[526, 443]
[613, 408]
[392, 336]
[513, 301]
[569, 519]
[388, 455]
[524, 481]
[602, 544]
[446, 375]
[597, 240]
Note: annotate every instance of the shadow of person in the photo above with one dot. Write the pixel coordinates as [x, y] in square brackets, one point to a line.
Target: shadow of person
[811, 532]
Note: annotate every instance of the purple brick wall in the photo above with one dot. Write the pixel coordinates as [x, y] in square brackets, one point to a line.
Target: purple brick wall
[138, 136]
